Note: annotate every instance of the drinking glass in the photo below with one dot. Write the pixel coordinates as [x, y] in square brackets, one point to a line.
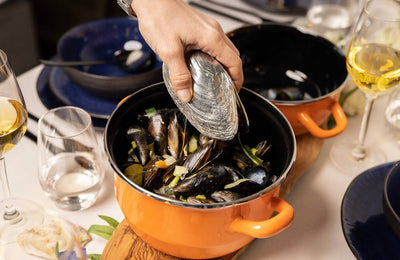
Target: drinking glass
[332, 19]
[70, 162]
[18, 214]
[373, 62]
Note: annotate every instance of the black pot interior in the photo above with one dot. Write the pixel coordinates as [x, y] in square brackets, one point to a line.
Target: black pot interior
[266, 122]
[280, 56]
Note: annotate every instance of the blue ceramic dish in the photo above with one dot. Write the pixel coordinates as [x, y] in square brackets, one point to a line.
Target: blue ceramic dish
[71, 94]
[50, 101]
[391, 198]
[98, 40]
[364, 224]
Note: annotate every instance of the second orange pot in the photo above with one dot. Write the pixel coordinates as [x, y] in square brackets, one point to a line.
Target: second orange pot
[309, 70]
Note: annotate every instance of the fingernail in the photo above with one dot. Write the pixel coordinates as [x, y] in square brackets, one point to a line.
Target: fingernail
[184, 94]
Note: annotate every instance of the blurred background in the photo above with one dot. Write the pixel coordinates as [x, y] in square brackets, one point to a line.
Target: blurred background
[30, 29]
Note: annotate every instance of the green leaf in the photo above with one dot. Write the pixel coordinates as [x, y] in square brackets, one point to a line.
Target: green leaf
[112, 222]
[57, 249]
[346, 95]
[256, 160]
[93, 256]
[102, 231]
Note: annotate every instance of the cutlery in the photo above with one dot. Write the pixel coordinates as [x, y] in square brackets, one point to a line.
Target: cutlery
[31, 136]
[219, 12]
[237, 9]
[67, 143]
[128, 60]
[253, 17]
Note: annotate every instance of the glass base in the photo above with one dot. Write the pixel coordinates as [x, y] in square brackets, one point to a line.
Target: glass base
[342, 157]
[31, 215]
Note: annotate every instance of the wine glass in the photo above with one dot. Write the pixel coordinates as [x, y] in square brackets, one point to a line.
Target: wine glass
[373, 62]
[18, 214]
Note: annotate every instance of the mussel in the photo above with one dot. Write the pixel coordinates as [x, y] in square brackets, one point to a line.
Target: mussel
[152, 174]
[142, 140]
[205, 181]
[224, 196]
[176, 135]
[158, 130]
[258, 174]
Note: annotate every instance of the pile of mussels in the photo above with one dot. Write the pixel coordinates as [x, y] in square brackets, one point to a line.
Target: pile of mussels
[170, 157]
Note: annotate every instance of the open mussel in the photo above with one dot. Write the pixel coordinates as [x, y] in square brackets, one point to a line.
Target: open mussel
[177, 136]
[198, 158]
[158, 130]
[152, 174]
[141, 141]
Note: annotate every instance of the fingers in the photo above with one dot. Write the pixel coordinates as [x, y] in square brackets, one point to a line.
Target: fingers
[179, 74]
[220, 47]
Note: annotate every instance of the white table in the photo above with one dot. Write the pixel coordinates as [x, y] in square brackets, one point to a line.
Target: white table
[315, 233]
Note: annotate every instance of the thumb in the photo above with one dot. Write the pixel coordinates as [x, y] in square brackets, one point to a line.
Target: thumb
[180, 77]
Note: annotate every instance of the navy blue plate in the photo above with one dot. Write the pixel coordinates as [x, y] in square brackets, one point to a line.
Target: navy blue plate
[98, 40]
[364, 224]
[50, 101]
[71, 94]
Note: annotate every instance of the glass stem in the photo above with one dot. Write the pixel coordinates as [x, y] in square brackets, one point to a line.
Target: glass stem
[10, 212]
[359, 152]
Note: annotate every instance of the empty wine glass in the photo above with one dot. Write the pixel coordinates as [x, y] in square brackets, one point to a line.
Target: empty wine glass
[373, 62]
[18, 214]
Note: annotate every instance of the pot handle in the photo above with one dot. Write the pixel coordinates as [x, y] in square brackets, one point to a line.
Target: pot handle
[340, 119]
[269, 227]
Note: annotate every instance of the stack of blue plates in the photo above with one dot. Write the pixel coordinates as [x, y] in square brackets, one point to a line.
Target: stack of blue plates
[364, 224]
[56, 89]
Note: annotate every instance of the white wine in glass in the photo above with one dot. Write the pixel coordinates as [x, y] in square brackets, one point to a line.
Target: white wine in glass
[373, 62]
[17, 214]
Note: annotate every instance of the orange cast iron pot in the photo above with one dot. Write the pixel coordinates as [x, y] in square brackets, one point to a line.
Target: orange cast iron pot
[208, 230]
[309, 115]
[277, 56]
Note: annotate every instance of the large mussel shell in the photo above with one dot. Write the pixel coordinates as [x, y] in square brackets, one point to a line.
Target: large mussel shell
[214, 108]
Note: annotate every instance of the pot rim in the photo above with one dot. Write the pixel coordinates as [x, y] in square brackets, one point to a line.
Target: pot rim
[308, 101]
[304, 31]
[170, 201]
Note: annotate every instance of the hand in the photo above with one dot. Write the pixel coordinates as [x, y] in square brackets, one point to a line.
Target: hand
[172, 28]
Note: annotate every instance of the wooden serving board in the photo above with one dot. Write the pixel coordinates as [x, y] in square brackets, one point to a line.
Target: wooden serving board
[125, 244]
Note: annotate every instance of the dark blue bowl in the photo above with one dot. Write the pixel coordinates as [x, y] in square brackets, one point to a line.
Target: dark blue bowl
[98, 40]
[391, 198]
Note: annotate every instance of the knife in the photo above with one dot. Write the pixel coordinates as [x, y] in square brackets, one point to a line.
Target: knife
[202, 5]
